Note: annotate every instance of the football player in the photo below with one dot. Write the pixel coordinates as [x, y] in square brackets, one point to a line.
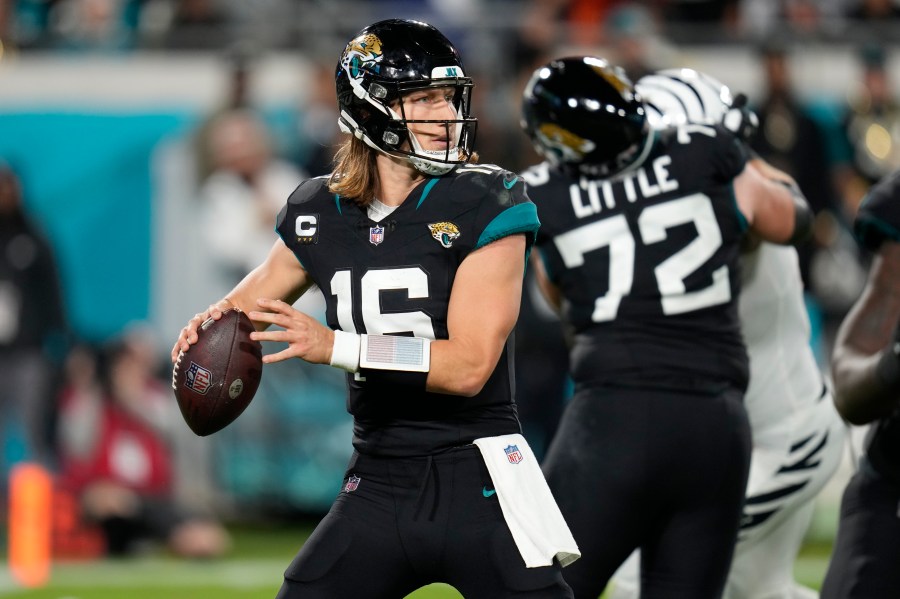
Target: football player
[865, 366]
[798, 436]
[639, 246]
[420, 254]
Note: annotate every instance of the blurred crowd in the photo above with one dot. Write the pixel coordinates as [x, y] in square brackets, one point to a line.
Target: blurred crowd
[102, 416]
[122, 25]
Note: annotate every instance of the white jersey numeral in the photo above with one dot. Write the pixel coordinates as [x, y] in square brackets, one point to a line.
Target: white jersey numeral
[413, 280]
[653, 225]
[612, 232]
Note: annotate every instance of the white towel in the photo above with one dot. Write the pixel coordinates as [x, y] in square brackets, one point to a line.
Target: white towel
[534, 519]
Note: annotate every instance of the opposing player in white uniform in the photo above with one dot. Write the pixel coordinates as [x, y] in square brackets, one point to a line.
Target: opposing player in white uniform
[798, 436]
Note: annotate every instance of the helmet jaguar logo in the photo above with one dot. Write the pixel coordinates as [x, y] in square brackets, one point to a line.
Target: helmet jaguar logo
[571, 146]
[445, 232]
[616, 82]
[364, 50]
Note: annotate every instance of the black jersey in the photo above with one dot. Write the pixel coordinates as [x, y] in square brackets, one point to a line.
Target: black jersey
[647, 262]
[395, 278]
[878, 217]
[877, 222]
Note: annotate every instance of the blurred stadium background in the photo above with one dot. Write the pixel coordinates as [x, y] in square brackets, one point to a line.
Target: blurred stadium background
[103, 108]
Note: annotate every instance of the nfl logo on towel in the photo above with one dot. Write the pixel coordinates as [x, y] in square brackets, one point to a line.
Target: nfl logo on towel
[513, 454]
[376, 235]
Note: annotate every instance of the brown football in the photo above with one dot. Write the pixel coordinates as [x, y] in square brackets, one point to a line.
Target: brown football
[217, 377]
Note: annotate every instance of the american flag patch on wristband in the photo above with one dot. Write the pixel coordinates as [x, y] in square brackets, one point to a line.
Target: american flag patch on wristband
[391, 352]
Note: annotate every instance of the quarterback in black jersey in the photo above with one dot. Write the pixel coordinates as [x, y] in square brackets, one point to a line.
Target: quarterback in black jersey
[420, 254]
[639, 245]
[865, 366]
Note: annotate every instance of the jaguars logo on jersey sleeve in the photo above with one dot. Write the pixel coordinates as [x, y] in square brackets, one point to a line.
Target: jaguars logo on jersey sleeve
[878, 219]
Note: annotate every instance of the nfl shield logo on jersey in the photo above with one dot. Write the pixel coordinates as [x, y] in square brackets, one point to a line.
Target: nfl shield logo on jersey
[513, 454]
[352, 483]
[376, 235]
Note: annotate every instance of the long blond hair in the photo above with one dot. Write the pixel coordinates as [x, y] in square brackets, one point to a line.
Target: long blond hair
[354, 175]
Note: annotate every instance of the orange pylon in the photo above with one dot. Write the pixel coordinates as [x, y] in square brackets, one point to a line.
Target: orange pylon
[30, 497]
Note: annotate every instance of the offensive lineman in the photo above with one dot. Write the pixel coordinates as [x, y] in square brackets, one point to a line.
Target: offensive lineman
[420, 257]
[639, 243]
[865, 365]
[797, 434]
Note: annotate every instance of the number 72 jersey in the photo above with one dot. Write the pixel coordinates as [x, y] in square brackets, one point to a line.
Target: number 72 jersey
[647, 261]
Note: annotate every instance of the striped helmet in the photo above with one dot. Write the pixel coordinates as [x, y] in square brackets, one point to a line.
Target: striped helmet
[678, 96]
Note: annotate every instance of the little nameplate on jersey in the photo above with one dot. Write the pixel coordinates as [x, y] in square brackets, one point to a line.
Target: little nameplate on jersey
[217, 377]
[593, 196]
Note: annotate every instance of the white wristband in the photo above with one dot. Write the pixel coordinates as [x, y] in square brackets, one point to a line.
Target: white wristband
[345, 352]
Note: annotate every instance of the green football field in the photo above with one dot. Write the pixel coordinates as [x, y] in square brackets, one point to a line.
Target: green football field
[252, 570]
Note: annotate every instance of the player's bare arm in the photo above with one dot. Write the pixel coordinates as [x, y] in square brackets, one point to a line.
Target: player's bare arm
[775, 210]
[770, 172]
[864, 339]
[483, 309]
[280, 276]
[751, 239]
[550, 291]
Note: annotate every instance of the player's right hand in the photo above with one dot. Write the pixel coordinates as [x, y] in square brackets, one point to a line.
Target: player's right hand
[740, 120]
[189, 335]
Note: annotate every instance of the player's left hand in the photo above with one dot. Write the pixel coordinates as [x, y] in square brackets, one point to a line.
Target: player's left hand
[307, 338]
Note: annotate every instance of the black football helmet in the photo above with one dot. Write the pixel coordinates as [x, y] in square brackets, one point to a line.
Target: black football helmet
[391, 58]
[583, 114]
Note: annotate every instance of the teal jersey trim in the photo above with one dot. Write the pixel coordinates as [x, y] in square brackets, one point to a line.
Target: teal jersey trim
[871, 232]
[742, 220]
[427, 190]
[337, 202]
[522, 218]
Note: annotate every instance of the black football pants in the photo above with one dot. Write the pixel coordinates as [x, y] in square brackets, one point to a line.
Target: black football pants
[865, 562]
[657, 469]
[411, 522]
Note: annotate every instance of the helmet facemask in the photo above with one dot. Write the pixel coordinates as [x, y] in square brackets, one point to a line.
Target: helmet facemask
[460, 130]
[372, 110]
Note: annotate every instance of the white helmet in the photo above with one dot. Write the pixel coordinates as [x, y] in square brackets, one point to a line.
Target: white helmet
[678, 96]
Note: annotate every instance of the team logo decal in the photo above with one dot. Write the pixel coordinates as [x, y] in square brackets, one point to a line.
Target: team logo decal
[572, 147]
[362, 52]
[198, 379]
[352, 483]
[513, 454]
[617, 82]
[445, 232]
[376, 234]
